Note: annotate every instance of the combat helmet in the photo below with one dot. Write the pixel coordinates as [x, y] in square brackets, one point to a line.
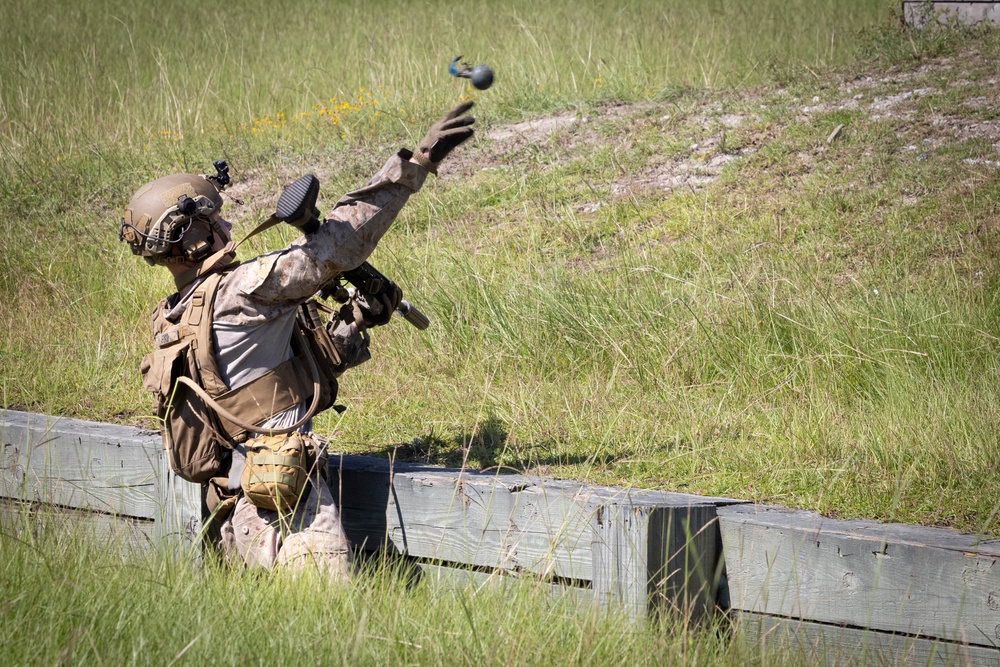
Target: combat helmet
[175, 218]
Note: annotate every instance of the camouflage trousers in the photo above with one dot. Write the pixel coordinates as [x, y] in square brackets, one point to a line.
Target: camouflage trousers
[311, 537]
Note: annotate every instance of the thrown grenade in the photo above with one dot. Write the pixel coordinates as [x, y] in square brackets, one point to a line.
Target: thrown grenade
[481, 76]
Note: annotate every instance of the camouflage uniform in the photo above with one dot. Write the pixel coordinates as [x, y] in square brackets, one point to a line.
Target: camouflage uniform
[252, 327]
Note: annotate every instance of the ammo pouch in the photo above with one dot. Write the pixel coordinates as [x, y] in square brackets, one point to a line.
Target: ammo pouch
[276, 470]
[314, 337]
[191, 434]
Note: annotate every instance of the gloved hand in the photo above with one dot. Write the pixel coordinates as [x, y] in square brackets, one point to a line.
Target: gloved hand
[377, 309]
[445, 135]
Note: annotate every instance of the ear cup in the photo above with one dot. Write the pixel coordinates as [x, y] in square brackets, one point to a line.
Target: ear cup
[163, 235]
[197, 241]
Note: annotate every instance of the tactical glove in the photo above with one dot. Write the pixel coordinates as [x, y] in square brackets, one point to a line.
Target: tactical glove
[377, 309]
[444, 136]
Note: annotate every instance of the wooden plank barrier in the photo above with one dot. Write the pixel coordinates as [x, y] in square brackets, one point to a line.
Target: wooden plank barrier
[833, 590]
[816, 644]
[119, 472]
[920, 591]
[636, 549]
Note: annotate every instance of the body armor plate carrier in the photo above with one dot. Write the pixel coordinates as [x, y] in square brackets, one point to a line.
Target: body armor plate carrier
[203, 418]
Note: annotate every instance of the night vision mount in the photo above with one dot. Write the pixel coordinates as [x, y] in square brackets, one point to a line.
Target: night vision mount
[221, 178]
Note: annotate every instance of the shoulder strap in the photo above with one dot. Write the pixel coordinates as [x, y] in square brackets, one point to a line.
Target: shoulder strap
[245, 401]
[221, 258]
[198, 316]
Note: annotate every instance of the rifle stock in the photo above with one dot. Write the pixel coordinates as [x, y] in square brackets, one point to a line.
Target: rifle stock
[297, 207]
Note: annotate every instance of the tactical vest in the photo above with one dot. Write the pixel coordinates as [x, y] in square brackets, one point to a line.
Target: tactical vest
[201, 416]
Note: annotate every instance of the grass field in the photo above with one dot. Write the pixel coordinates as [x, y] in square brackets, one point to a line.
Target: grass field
[68, 601]
[682, 275]
[662, 285]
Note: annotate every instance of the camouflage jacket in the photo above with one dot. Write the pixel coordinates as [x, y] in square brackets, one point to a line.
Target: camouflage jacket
[256, 302]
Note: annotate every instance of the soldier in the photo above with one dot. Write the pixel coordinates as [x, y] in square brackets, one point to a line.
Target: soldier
[236, 374]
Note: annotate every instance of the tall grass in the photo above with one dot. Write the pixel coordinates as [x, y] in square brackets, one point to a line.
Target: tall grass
[862, 404]
[816, 328]
[69, 599]
[114, 70]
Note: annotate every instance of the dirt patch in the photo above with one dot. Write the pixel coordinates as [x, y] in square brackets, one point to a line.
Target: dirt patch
[732, 120]
[693, 173]
[248, 195]
[533, 131]
[880, 104]
[899, 95]
[569, 131]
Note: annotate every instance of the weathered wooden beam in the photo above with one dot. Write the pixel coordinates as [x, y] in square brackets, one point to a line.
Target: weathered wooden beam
[633, 547]
[651, 556]
[816, 643]
[920, 13]
[181, 508]
[80, 464]
[127, 535]
[926, 582]
[120, 472]
[464, 578]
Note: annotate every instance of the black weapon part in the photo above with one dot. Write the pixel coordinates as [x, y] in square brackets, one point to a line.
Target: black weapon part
[412, 315]
[221, 178]
[370, 281]
[297, 204]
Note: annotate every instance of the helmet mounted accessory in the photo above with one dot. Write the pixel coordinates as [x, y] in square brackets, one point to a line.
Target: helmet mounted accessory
[221, 178]
[197, 242]
[198, 239]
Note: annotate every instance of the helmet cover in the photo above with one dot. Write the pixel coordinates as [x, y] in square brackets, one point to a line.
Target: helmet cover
[171, 219]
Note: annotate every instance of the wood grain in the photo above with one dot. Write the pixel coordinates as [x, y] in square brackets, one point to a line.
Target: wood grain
[818, 644]
[79, 464]
[895, 578]
[633, 547]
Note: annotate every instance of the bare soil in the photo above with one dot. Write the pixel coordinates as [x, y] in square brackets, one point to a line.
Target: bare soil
[914, 98]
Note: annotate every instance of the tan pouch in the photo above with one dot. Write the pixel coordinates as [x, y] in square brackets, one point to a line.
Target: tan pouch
[276, 471]
[194, 443]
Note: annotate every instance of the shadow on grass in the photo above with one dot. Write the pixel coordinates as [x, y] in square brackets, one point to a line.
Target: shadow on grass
[487, 448]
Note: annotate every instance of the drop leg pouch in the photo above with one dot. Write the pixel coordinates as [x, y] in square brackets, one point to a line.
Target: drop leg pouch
[276, 471]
